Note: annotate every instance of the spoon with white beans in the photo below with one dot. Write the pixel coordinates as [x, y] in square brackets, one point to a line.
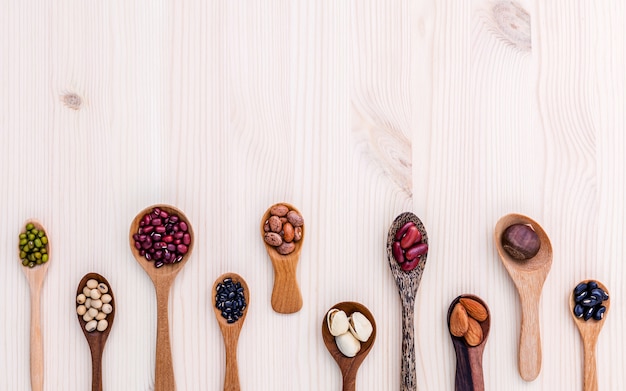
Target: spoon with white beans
[95, 308]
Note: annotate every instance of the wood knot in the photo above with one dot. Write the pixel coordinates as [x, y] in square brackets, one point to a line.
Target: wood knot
[513, 23]
[71, 100]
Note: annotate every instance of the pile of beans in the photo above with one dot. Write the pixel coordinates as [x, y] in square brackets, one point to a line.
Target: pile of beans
[230, 300]
[283, 229]
[408, 248]
[162, 237]
[33, 246]
[94, 304]
[588, 298]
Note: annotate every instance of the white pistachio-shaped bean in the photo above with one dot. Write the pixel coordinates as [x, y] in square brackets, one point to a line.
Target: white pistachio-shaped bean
[86, 291]
[101, 315]
[102, 325]
[87, 317]
[97, 304]
[80, 299]
[348, 345]
[91, 325]
[360, 326]
[106, 298]
[81, 310]
[95, 294]
[107, 308]
[337, 322]
[92, 284]
[103, 288]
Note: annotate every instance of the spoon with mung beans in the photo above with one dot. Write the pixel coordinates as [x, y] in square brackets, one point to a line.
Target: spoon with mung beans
[407, 282]
[231, 297]
[34, 251]
[589, 326]
[97, 338]
[161, 240]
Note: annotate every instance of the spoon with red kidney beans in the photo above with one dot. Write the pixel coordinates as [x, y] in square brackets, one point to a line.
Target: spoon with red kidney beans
[589, 304]
[407, 232]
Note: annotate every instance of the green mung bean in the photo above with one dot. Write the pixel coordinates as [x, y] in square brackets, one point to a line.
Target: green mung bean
[33, 246]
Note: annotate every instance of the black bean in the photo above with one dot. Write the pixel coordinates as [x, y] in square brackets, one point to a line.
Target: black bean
[581, 296]
[578, 310]
[580, 288]
[591, 285]
[599, 312]
[588, 313]
[230, 300]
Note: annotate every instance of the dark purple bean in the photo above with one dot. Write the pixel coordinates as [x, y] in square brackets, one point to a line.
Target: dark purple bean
[148, 256]
[156, 237]
[186, 239]
[178, 258]
[164, 214]
[146, 245]
[142, 252]
[145, 220]
[178, 235]
[171, 247]
[136, 236]
[183, 226]
[142, 238]
[173, 219]
[182, 249]
[147, 229]
[168, 239]
[158, 254]
[156, 222]
[158, 264]
[160, 229]
[138, 245]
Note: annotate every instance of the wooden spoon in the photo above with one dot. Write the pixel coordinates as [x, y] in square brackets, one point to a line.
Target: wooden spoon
[286, 296]
[349, 365]
[528, 277]
[35, 277]
[589, 331]
[230, 332]
[162, 278]
[96, 339]
[407, 283]
[469, 359]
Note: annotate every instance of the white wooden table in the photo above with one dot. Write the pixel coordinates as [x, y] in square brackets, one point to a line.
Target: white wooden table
[353, 111]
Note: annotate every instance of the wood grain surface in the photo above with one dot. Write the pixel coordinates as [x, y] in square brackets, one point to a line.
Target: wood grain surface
[354, 112]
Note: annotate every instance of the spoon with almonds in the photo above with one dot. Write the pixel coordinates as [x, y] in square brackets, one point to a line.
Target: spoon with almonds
[162, 220]
[589, 314]
[526, 252]
[97, 338]
[34, 251]
[407, 249]
[349, 365]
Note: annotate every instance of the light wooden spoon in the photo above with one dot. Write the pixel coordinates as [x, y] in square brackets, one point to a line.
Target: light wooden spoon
[469, 359]
[35, 277]
[230, 332]
[286, 296]
[162, 278]
[349, 365]
[589, 332]
[407, 283]
[528, 277]
[96, 339]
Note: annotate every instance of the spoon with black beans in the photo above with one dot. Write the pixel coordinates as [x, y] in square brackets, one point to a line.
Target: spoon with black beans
[589, 303]
[231, 298]
[526, 253]
[407, 280]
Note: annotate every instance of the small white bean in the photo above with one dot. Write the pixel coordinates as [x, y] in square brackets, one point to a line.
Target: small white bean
[86, 291]
[91, 325]
[81, 310]
[91, 284]
[95, 294]
[106, 299]
[80, 299]
[92, 312]
[107, 308]
[96, 304]
[88, 303]
[101, 315]
[102, 325]
[103, 288]
[87, 317]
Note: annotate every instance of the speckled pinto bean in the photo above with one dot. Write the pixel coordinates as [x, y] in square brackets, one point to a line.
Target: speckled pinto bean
[283, 228]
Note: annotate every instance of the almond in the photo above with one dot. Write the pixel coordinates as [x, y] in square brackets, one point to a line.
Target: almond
[459, 321]
[474, 309]
[474, 334]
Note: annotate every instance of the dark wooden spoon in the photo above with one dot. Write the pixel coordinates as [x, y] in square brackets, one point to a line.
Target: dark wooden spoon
[469, 359]
[349, 365]
[230, 332]
[407, 283]
[96, 339]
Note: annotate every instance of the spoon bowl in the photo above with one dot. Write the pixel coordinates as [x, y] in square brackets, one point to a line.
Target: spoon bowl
[589, 331]
[349, 365]
[528, 277]
[407, 283]
[469, 359]
[35, 277]
[162, 279]
[96, 339]
[230, 331]
[286, 296]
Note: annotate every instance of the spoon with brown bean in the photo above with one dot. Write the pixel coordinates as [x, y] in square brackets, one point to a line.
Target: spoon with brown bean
[407, 249]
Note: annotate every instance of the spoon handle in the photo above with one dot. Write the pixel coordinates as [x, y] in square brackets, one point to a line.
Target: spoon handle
[36, 340]
[231, 379]
[589, 368]
[469, 368]
[96, 369]
[349, 381]
[286, 296]
[408, 379]
[164, 369]
[529, 359]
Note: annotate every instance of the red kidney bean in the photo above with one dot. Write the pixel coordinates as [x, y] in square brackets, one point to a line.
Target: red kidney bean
[400, 233]
[186, 239]
[410, 265]
[183, 226]
[416, 250]
[168, 239]
[182, 249]
[412, 236]
[397, 252]
[160, 237]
